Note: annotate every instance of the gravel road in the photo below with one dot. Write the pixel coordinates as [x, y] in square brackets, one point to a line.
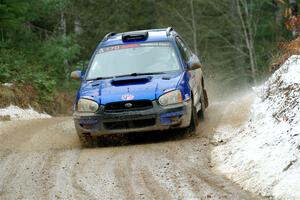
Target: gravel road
[42, 159]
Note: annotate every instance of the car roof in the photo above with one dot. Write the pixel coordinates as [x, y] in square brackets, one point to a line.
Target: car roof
[153, 35]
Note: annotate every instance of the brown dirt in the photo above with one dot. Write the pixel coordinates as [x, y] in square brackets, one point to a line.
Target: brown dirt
[42, 159]
[21, 95]
[5, 118]
[25, 95]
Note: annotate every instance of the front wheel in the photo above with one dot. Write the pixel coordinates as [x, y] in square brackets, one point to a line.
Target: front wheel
[86, 141]
[192, 128]
[204, 104]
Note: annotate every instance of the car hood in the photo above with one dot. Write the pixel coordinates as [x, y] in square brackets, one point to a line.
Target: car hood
[129, 88]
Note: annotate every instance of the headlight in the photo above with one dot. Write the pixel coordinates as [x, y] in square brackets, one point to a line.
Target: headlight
[169, 98]
[85, 105]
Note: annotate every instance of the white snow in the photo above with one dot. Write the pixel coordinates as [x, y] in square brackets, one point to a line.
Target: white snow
[16, 113]
[7, 84]
[263, 156]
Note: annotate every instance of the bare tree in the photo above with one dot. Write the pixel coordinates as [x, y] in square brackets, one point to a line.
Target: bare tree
[238, 44]
[248, 27]
[238, 15]
[277, 11]
[189, 22]
[194, 27]
[63, 32]
[294, 7]
[294, 13]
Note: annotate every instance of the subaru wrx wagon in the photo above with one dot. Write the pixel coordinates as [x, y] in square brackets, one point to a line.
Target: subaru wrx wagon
[137, 82]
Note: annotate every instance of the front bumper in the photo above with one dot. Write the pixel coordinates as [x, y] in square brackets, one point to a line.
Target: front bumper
[156, 118]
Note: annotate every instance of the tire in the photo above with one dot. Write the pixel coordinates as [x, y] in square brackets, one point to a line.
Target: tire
[86, 141]
[204, 105]
[194, 121]
[205, 98]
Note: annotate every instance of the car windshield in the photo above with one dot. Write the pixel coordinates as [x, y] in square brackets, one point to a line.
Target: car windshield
[129, 59]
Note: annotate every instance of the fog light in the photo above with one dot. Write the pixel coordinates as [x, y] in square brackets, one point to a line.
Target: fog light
[170, 118]
[89, 124]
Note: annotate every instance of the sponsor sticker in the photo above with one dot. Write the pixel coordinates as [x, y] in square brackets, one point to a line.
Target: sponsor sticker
[130, 46]
[127, 97]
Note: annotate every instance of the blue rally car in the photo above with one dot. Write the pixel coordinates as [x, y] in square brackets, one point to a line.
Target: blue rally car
[139, 81]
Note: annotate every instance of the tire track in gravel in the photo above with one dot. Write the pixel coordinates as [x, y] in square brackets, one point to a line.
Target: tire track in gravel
[67, 167]
[32, 168]
[94, 173]
[7, 173]
[142, 179]
[155, 190]
[19, 133]
[80, 191]
[214, 184]
[42, 159]
[123, 172]
[43, 178]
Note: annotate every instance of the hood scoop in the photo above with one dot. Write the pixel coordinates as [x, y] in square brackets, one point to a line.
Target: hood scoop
[130, 80]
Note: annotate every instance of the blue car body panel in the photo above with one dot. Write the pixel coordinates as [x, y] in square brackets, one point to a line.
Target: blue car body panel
[103, 91]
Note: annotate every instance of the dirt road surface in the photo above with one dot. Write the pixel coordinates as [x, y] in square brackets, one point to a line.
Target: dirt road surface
[42, 159]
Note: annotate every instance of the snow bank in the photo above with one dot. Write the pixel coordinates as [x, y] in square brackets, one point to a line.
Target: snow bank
[264, 155]
[16, 113]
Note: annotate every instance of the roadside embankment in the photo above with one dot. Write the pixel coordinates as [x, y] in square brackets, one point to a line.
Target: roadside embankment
[16, 99]
[263, 155]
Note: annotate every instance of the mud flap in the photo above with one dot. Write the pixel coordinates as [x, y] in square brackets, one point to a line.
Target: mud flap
[205, 98]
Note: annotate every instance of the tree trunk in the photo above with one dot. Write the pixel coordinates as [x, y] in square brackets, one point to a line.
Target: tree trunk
[277, 12]
[63, 24]
[2, 35]
[239, 57]
[247, 27]
[77, 25]
[63, 28]
[294, 12]
[278, 8]
[194, 27]
[294, 7]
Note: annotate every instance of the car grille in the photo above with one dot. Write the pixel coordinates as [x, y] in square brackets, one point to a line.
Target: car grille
[128, 106]
[129, 124]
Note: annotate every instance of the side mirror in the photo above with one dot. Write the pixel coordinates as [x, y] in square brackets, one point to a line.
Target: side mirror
[194, 65]
[76, 75]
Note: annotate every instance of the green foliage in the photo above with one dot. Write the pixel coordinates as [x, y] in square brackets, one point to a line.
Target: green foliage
[56, 51]
[32, 48]
[45, 85]
[37, 48]
[11, 64]
[97, 18]
[13, 14]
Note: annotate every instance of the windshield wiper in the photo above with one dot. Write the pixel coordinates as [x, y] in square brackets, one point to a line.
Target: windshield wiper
[132, 74]
[139, 74]
[99, 78]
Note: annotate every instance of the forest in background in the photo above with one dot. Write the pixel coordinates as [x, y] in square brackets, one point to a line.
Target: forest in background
[42, 41]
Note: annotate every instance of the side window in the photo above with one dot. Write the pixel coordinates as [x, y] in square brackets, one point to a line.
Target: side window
[181, 49]
[184, 50]
[187, 49]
